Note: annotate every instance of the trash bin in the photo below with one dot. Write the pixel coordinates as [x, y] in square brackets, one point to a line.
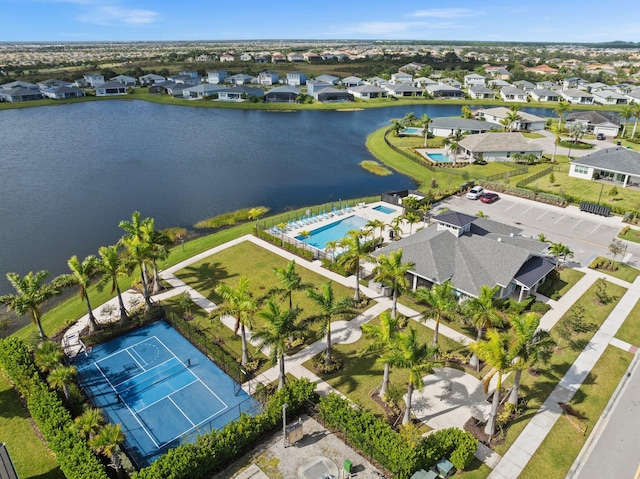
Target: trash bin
[347, 466]
[619, 143]
[391, 234]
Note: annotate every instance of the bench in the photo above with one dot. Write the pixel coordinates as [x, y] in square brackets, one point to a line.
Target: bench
[595, 209]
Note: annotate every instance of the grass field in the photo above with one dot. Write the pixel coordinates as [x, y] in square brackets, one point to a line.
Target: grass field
[556, 288]
[622, 271]
[630, 329]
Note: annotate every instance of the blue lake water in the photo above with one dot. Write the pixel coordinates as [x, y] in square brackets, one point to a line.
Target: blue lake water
[70, 173]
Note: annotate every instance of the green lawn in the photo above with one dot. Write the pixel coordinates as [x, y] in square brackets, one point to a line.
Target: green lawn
[29, 454]
[556, 287]
[537, 388]
[590, 400]
[622, 271]
[630, 329]
[631, 234]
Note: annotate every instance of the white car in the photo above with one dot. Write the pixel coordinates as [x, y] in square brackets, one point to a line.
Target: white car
[475, 193]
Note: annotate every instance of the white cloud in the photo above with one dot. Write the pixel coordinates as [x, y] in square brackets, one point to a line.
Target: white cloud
[113, 14]
[384, 29]
[446, 13]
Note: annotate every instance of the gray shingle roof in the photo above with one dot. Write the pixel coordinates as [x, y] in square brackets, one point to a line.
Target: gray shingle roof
[454, 218]
[462, 124]
[486, 142]
[533, 270]
[619, 160]
[503, 111]
[594, 117]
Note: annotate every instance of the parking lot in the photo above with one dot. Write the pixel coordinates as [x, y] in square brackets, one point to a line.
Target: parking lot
[586, 234]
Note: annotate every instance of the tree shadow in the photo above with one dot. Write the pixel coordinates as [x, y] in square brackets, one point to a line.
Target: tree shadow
[9, 404]
[205, 277]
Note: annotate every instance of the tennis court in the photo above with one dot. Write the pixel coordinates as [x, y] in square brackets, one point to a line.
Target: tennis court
[161, 389]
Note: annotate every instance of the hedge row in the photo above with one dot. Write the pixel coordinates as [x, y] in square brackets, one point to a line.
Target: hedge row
[214, 451]
[376, 437]
[75, 457]
[303, 253]
[527, 193]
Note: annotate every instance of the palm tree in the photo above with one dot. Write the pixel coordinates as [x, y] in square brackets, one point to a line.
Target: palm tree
[396, 126]
[530, 346]
[375, 224]
[281, 325]
[330, 309]
[625, 114]
[113, 265]
[393, 272]
[483, 313]
[383, 338]
[49, 356]
[576, 131]
[465, 112]
[331, 247]
[138, 249]
[290, 281]
[31, 292]
[61, 377]
[356, 249]
[157, 242]
[562, 108]
[417, 358]
[88, 423]
[106, 443]
[441, 298]
[240, 304]
[635, 108]
[512, 118]
[396, 226]
[411, 218]
[257, 212]
[81, 274]
[305, 235]
[409, 118]
[281, 227]
[560, 251]
[495, 353]
[424, 123]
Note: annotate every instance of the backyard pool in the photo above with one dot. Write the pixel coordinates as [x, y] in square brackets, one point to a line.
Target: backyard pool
[337, 230]
[439, 158]
[412, 130]
[384, 209]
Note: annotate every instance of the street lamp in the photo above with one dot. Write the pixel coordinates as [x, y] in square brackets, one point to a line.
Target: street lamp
[284, 424]
[600, 195]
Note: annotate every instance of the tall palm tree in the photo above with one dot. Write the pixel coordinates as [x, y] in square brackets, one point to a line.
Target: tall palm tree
[88, 424]
[560, 251]
[112, 266]
[512, 118]
[384, 338]
[391, 271]
[49, 356]
[240, 304]
[257, 212]
[375, 224]
[331, 247]
[417, 358]
[81, 274]
[530, 346]
[441, 298]
[356, 249]
[157, 242]
[495, 353]
[635, 109]
[61, 377]
[483, 313]
[330, 309]
[282, 226]
[410, 118]
[290, 281]
[106, 443]
[396, 126]
[562, 109]
[411, 218]
[424, 124]
[281, 325]
[31, 292]
[626, 114]
[138, 248]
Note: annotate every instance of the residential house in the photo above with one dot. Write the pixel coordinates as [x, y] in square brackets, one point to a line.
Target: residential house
[204, 90]
[295, 57]
[543, 95]
[278, 57]
[444, 91]
[473, 252]
[633, 96]
[246, 57]
[311, 57]
[543, 69]
[125, 80]
[216, 77]
[481, 92]
[334, 80]
[368, 91]
[498, 72]
[62, 92]
[401, 90]
[315, 85]
[618, 165]
[376, 81]
[592, 87]
[401, 77]
[526, 122]
[111, 89]
[473, 79]
[445, 126]
[150, 79]
[94, 79]
[185, 79]
[573, 82]
[512, 93]
[549, 85]
[268, 78]
[609, 97]
[52, 83]
[227, 57]
[422, 82]
[498, 83]
[577, 97]
[596, 121]
[497, 146]
[19, 84]
[191, 73]
[261, 59]
[450, 82]
[18, 94]
[331, 94]
[282, 94]
[296, 78]
[241, 79]
[240, 93]
[351, 81]
[524, 85]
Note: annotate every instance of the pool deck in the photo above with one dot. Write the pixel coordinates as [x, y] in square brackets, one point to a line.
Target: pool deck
[425, 152]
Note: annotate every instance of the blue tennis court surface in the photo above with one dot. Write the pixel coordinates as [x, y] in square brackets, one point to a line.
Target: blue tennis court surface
[161, 389]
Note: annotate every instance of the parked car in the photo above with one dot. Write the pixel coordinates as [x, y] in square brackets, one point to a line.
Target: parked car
[489, 197]
[600, 136]
[475, 192]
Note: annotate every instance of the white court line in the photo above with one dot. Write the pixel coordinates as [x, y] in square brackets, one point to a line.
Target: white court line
[135, 360]
[195, 380]
[526, 210]
[124, 349]
[559, 219]
[143, 372]
[543, 214]
[574, 226]
[594, 229]
[183, 413]
[135, 416]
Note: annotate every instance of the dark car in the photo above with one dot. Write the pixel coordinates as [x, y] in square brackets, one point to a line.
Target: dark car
[600, 136]
[489, 197]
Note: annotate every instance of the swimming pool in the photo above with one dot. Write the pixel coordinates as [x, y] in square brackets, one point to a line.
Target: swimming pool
[337, 230]
[439, 158]
[384, 209]
[412, 130]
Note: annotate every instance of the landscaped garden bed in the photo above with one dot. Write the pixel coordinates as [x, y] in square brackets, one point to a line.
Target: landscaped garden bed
[558, 282]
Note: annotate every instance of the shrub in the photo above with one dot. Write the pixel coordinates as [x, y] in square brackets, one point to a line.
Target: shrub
[303, 253]
[539, 307]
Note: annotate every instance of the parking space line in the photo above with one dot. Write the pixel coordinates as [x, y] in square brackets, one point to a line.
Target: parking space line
[559, 219]
[546, 211]
[511, 206]
[594, 229]
[526, 210]
[574, 226]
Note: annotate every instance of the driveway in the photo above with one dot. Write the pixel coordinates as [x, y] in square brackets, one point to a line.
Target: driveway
[587, 235]
[547, 144]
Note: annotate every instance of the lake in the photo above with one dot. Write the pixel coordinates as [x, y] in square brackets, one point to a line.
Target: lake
[70, 173]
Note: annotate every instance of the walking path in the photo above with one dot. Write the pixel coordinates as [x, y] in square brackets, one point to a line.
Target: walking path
[456, 391]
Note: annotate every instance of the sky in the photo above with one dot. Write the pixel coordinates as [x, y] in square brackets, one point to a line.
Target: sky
[160, 20]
